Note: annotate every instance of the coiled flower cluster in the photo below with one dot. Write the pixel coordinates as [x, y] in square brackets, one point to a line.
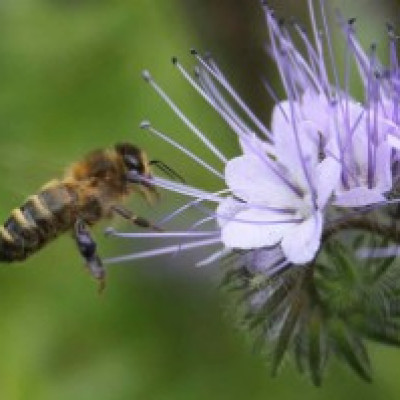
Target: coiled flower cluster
[306, 215]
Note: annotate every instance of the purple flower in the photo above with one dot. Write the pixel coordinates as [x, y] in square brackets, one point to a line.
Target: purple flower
[305, 202]
[279, 196]
[324, 155]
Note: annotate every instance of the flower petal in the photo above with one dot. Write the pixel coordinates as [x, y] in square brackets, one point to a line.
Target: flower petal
[301, 243]
[295, 155]
[316, 109]
[253, 180]
[327, 176]
[227, 209]
[249, 142]
[254, 228]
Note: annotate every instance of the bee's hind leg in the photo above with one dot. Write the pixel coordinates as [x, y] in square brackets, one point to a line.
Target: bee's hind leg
[87, 248]
[130, 216]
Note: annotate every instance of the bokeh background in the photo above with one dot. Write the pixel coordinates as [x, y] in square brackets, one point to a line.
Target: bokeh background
[70, 82]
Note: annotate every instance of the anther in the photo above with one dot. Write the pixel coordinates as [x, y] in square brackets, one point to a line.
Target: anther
[390, 31]
[109, 231]
[146, 75]
[351, 21]
[145, 125]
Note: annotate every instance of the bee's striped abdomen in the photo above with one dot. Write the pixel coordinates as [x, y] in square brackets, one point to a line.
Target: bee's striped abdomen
[40, 219]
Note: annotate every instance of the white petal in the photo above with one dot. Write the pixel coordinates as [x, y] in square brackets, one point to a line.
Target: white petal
[281, 117]
[291, 153]
[249, 142]
[257, 232]
[327, 176]
[302, 242]
[316, 109]
[227, 209]
[358, 197]
[251, 179]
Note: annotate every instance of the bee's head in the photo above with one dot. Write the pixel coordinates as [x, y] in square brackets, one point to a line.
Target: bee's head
[135, 162]
[137, 166]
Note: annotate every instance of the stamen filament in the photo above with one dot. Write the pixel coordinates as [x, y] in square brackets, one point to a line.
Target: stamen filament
[161, 251]
[213, 69]
[148, 78]
[147, 126]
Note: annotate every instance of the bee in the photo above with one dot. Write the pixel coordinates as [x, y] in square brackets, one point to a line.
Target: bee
[92, 189]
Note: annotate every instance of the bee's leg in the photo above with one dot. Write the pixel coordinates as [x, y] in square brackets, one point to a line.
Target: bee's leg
[87, 248]
[129, 215]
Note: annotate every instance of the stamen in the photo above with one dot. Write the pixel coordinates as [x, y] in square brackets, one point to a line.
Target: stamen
[313, 59]
[213, 69]
[147, 126]
[299, 65]
[220, 104]
[370, 118]
[206, 96]
[185, 207]
[212, 258]
[215, 215]
[378, 252]
[300, 149]
[329, 44]
[148, 78]
[161, 251]
[170, 234]
[197, 224]
[214, 99]
[271, 25]
[182, 189]
[318, 44]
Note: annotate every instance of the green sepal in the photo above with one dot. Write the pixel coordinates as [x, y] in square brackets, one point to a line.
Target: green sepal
[285, 335]
[351, 347]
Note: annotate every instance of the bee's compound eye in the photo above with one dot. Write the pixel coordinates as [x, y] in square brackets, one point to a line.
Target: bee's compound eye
[133, 165]
[131, 162]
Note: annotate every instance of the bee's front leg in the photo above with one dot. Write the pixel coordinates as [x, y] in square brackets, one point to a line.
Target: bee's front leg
[87, 248]
[130, 216]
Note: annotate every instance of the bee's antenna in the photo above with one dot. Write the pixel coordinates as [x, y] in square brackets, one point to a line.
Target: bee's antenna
[166, 169]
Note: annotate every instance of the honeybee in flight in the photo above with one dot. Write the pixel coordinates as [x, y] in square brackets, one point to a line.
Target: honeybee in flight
[91, 189]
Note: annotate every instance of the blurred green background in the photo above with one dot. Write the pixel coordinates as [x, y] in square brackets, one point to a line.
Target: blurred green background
[69, 82]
